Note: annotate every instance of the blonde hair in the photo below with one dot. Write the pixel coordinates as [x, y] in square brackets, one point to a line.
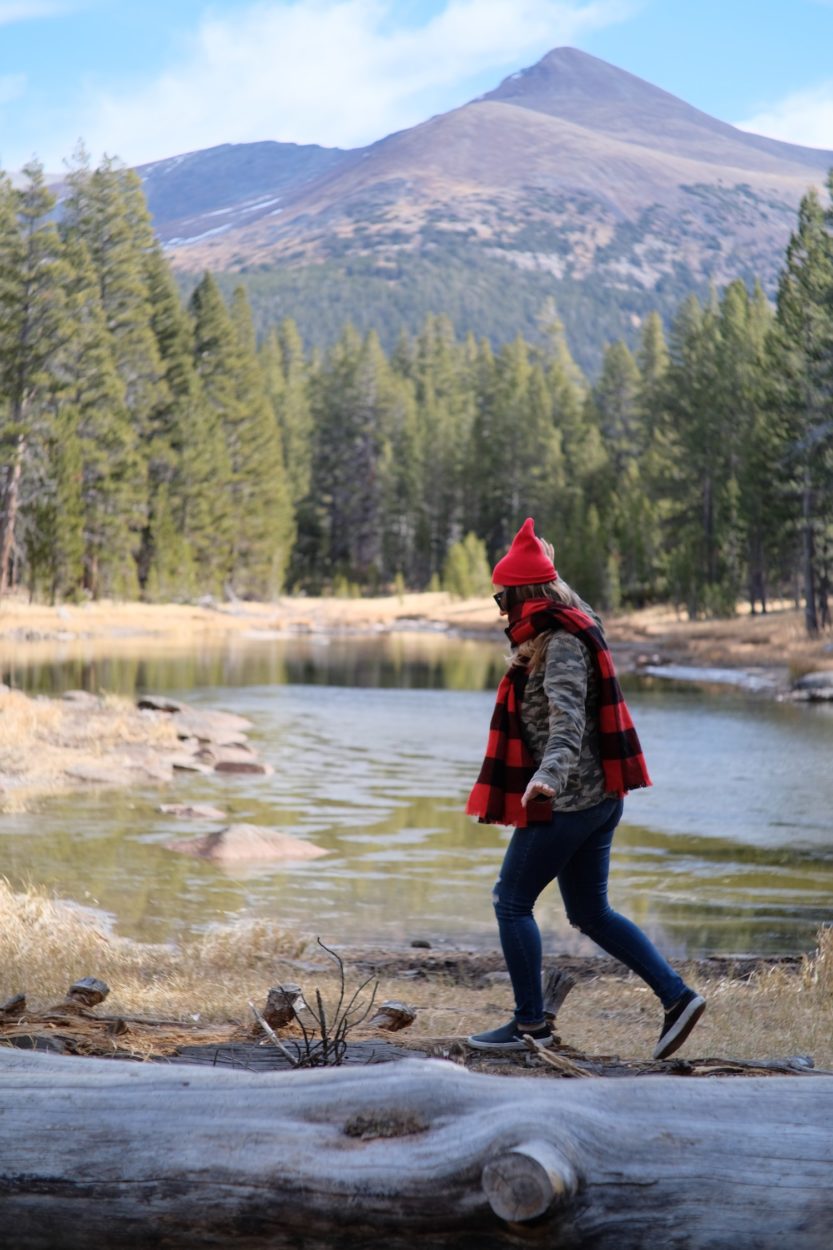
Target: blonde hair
[530, 654]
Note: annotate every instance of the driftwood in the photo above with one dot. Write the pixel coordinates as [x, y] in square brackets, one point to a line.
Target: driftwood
[418, 1153]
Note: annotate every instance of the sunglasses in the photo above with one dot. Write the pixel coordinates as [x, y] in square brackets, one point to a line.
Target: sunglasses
[501, 599]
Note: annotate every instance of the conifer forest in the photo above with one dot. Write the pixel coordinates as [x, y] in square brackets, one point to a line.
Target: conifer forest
[157, 449]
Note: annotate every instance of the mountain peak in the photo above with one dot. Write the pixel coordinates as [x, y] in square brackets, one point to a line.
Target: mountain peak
[566, 77]
[586, 91]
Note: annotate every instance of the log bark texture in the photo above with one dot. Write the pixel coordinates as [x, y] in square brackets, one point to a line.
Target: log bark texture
[414, 1154]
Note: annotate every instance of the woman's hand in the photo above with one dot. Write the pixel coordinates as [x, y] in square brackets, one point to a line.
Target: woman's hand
[534, 789]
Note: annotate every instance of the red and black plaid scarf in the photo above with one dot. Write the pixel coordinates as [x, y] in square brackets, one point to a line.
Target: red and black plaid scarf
[509, 766]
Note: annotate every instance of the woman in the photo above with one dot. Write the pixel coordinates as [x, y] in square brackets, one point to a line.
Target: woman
[562, 753]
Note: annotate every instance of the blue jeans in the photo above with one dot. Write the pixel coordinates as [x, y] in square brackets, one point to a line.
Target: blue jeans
[574, 848]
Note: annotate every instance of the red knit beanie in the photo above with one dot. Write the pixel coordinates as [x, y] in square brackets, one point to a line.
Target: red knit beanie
[525, 563]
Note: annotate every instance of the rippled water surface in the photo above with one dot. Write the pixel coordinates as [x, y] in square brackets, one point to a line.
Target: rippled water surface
[375, 743]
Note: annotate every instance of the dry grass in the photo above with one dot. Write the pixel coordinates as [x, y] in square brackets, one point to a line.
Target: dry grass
[46, 944]
[40, 739]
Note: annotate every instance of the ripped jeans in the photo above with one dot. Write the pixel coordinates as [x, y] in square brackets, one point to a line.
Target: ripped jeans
[573, 847]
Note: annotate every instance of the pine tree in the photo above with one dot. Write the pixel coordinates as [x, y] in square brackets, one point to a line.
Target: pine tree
[55, 535]
[698, 470]
[652, 361]
[582, 548]
[259, 502]
[751, 506]
[95, 416]
[188, 537]
[33, 329]
[440, 370]
[804, 350]
[616, 400]
[515, 453]
[342, 534]
[626, 510]
[106, 212]
[286, 375]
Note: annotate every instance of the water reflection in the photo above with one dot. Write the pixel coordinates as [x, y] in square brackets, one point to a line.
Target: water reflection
[374, 744]
[407, 662]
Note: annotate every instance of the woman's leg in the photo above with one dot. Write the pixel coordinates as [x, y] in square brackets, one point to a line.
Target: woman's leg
[535, 857]
[583, 885]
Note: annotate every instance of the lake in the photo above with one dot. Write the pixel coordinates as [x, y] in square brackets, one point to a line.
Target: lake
[375, 743]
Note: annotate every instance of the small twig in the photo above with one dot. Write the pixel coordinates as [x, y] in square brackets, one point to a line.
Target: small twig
[270, 1032]
[322, 1018]
[561, 1063]
[335, 955]
[366, 1013]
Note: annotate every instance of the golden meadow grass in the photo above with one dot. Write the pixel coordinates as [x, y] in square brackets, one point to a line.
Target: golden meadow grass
[46, 944]
[41, 738]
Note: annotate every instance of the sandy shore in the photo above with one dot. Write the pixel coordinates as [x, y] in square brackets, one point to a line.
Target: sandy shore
[656, 635]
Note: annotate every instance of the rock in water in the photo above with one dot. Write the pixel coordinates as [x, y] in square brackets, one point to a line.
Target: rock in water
[815, 687]
[225, 728]
[246, 844]
[159, 703]
[195, 811]
[243, 766]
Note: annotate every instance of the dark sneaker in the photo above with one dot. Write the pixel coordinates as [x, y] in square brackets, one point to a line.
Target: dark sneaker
[678, 1023]
[509, 1037]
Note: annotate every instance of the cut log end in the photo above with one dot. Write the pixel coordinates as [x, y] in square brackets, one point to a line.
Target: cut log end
[86, 993]
[393, 1016]
[524, 1183]
[280, 1005]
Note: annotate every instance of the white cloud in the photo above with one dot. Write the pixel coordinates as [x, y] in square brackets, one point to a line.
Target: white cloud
[335, 72]
[804, 117]
[26, 10]
[12, 87]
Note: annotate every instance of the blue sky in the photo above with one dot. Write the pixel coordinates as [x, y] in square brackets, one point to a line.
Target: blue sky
[151, 79]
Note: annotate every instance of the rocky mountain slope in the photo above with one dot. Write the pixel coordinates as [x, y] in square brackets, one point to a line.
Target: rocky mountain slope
[573, 179]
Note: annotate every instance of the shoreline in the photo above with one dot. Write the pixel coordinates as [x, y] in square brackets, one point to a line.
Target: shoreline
[767, 652]
[758, 1006]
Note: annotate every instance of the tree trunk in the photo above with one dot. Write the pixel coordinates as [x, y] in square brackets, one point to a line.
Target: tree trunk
[808, 555]
[414, 1154]
[11, 500]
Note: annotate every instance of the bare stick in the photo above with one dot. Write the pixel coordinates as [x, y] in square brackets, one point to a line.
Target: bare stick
[270, 1032]
[561, 1063]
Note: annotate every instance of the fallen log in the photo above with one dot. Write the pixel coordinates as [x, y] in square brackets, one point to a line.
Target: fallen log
[97, 1152]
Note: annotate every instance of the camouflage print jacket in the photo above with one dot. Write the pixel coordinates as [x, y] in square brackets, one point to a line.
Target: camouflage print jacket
[559, 721]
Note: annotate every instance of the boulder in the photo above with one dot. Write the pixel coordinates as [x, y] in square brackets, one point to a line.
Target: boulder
[189, 764]
[243, 766]
[158, 703]
[224, 728]
[100, 774]
[192, 811]
[211, 753]
[814, 687]
[820, 680]
[246, 844]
